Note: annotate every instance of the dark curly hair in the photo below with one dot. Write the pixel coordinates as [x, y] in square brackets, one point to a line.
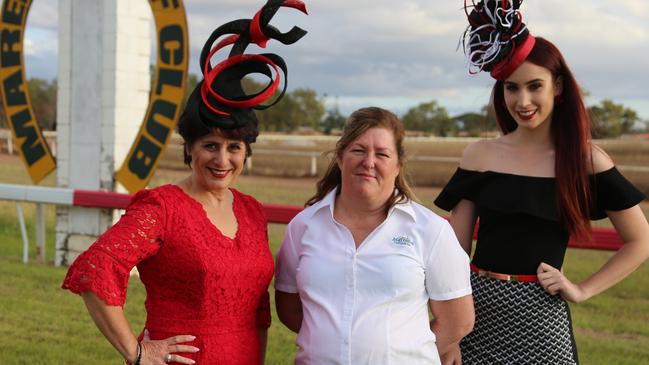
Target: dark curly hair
[193, 130]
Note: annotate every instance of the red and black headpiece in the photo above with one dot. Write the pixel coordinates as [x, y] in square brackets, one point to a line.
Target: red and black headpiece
[219, 100]
[496, 40]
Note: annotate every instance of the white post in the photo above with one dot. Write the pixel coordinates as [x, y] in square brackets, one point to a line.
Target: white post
[40, 232]
[10, 144]
[50, 137]
[314, 164]
[23, 232]
[103, 89]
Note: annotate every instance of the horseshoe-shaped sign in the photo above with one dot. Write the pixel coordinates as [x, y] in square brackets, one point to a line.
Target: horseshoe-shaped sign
[167, 94]
[29, 140]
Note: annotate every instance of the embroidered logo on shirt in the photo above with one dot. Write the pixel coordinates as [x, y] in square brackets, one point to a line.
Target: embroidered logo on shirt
[403, 241]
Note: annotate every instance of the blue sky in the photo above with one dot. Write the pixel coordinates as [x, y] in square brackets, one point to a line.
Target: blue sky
[398, 54]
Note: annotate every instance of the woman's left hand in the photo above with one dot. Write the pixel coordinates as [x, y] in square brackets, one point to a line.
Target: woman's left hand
[160, 352]
[554, 282]
[453, 356]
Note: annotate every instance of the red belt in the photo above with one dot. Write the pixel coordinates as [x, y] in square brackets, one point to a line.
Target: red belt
[505, 277]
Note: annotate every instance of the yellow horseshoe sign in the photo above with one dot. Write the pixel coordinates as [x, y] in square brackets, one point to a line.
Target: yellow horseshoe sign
[33, 149]
[167, 93]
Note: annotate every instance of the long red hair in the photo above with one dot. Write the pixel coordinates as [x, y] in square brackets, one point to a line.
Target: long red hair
[570, 131]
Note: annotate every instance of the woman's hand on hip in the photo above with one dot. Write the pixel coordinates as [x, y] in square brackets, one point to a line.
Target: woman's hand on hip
[554, 282]
[453, 356]
[161, 352]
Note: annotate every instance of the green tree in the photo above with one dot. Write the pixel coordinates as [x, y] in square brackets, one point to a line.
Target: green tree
[299, 108]
[277, 118]
[491, 121]
[476, 124]
[309, 108]
[612, 120]
[43, 97]
[470, 122]
[333, 120]
[430, 117]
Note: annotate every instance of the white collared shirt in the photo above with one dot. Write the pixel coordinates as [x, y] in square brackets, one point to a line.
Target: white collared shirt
[370, 305]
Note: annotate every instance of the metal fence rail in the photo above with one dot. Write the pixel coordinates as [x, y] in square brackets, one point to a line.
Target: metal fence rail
[602, 238]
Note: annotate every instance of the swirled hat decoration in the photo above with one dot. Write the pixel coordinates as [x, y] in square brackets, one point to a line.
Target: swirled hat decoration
[496, 40]
[219, 100]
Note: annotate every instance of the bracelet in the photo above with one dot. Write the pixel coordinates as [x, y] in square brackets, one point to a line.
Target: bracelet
[138, 357]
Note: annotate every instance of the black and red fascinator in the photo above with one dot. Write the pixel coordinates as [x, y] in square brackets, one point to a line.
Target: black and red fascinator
[496, 40]
[219, 100]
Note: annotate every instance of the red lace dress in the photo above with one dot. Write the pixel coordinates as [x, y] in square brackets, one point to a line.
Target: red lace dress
[198, 281]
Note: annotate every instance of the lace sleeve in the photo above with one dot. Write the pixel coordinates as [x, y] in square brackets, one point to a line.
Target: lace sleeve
[105, 267]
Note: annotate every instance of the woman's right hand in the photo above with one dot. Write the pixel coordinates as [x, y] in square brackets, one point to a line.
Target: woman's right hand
[161, 352]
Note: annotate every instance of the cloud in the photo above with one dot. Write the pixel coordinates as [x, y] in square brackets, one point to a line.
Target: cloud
[395, 52]
[592, 24]
[42, 14]
[28, 47]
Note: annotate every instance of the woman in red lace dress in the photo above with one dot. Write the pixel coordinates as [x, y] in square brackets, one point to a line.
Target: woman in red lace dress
[200, 246]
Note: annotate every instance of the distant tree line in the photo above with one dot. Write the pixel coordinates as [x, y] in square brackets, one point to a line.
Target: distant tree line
[303, 110]
[609, 120]
[43, 97]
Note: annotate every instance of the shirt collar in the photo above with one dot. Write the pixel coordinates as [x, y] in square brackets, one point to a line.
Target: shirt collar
[405, 207]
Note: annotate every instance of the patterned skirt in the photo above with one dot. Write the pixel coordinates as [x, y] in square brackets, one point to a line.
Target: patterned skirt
[518, 323]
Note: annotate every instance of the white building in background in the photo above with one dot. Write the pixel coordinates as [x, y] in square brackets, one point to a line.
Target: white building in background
[103, 89]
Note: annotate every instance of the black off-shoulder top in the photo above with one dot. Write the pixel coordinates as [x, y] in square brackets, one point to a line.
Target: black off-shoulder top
[519, 221]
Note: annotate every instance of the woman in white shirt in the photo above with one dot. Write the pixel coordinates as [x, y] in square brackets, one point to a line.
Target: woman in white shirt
[360, 267]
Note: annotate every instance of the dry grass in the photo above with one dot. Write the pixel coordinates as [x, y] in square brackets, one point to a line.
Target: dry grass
[285, 163]
[626, 151]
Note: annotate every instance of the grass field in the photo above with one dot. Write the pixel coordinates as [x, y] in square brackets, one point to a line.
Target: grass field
[42, 324]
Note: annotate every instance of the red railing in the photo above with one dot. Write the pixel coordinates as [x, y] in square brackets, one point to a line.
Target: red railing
[602, 238]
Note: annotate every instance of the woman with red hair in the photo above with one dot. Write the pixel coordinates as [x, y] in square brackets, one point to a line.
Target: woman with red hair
[540, 182]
